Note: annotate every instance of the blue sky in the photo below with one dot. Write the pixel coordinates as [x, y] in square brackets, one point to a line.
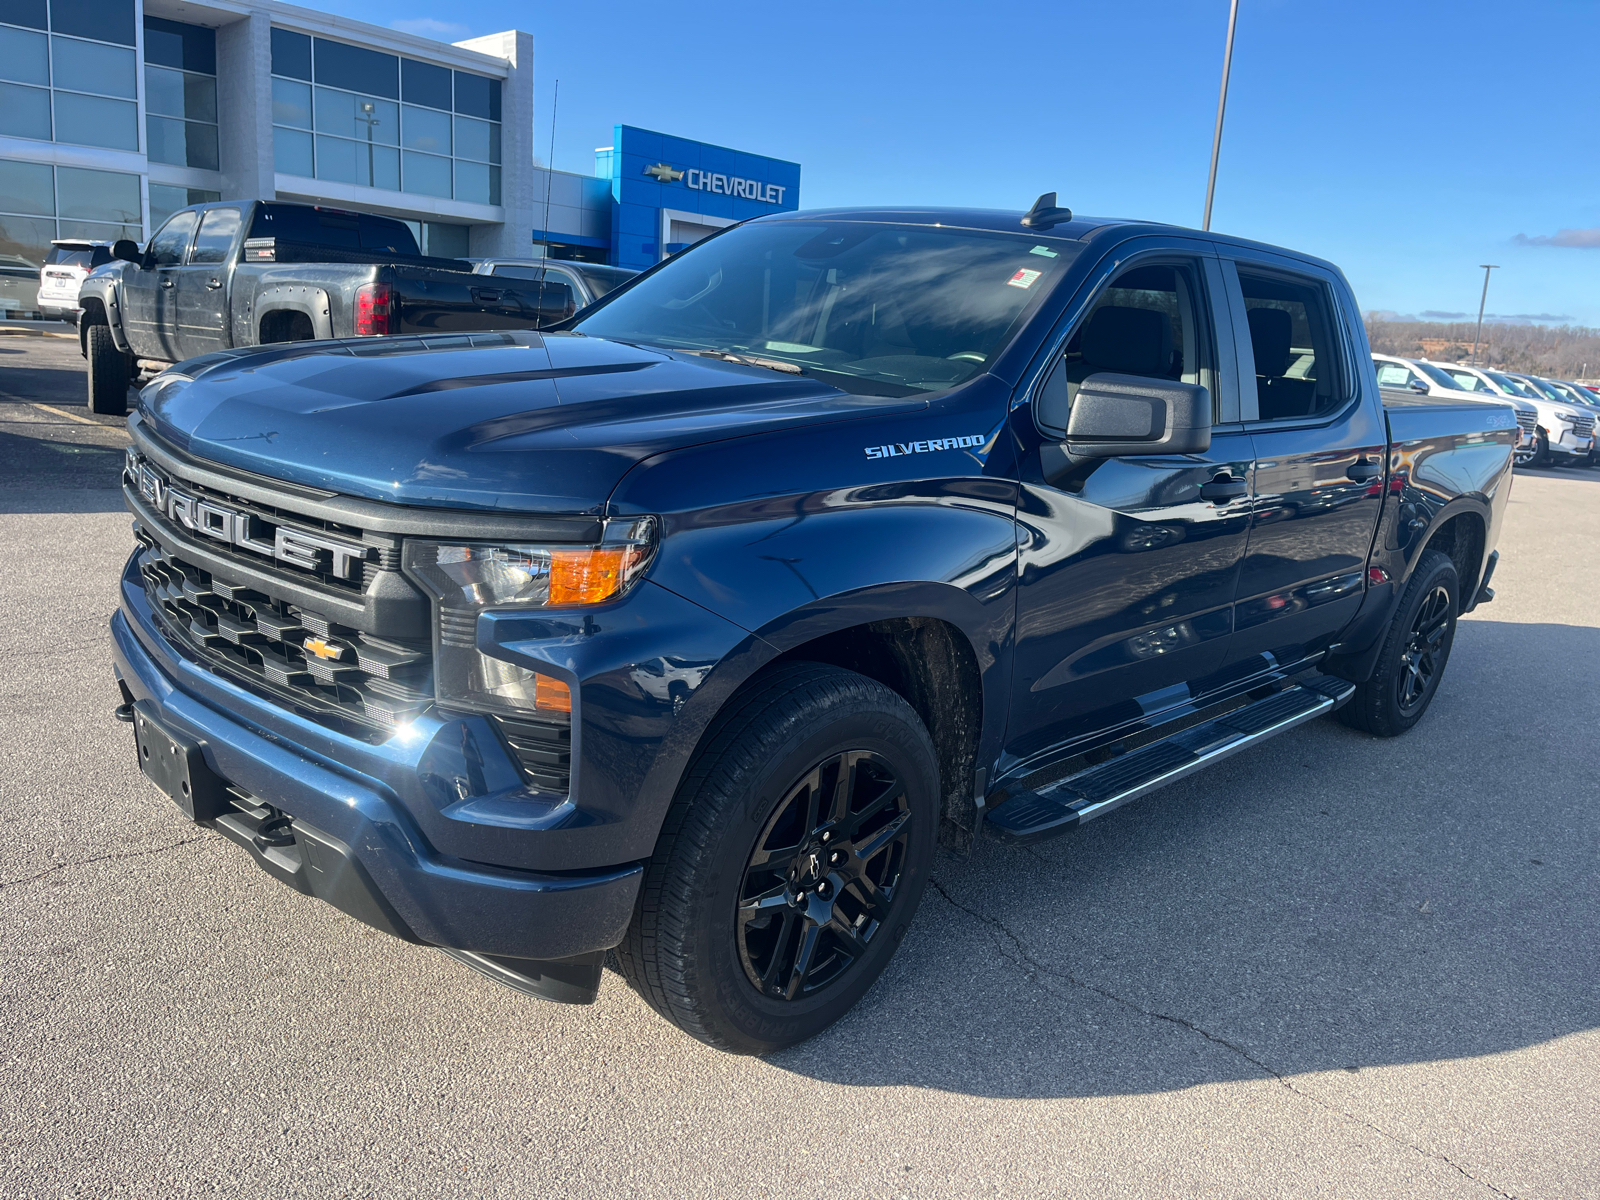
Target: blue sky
[1408, 141]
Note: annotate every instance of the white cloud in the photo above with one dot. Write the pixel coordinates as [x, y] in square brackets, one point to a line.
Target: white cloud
[444, 31]
[1580, 239]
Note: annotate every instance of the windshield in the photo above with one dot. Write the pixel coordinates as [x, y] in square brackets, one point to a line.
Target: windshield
[874, 309]
[1540, 385]
[1574, 393]
[1468, 382]
[1437, 375]
[1511, 387]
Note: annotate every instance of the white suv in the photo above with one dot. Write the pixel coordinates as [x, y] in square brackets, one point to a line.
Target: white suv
[65, 268]
[1429, 379]
[1566, 431]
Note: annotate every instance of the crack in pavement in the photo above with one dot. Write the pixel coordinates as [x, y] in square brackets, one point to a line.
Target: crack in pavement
[1036, 967]
[84, 862]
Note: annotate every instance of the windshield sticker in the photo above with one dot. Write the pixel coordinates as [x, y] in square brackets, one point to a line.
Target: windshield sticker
[1024, 278]
[900, 448]
[1045, 251]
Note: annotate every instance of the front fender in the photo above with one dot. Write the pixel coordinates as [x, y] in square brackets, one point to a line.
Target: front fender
[100, 296]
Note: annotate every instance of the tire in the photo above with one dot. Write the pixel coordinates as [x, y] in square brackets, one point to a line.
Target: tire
[1541, 454]
[1415, 651]
[759, 860]
[108, 373]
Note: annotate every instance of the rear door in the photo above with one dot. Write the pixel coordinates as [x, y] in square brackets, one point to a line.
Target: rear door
[203, 284]
[1312, 410]
[1128, 566]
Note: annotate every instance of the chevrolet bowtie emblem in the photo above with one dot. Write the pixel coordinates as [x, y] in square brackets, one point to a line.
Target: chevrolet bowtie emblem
[664, 173]
[315, 645]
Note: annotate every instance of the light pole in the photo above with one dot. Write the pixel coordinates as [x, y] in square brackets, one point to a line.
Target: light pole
[366, 117]
[1484, 299]
[1222, 105]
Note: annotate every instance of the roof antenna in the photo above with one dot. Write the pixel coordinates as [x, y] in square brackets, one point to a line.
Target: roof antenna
[1044, 214]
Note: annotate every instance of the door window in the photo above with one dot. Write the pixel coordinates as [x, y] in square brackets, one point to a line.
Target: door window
[217, 232]
[1293, 342]
[1145, 323]
[171, 240]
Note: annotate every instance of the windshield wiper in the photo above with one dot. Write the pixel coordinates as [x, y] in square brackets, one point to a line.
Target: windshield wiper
[749, 360]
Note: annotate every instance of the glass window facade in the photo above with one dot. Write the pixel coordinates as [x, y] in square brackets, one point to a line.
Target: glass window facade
[68, 72]
[180, 94]
[39, 202]
[352, 115]
[166, 200]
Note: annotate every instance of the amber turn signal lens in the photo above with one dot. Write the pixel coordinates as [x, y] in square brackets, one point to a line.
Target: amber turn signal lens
[551, 695]
[590, 575]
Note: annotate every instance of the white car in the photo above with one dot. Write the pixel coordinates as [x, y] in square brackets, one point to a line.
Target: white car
[65, 268]
[1565, 432]
[1429, 379]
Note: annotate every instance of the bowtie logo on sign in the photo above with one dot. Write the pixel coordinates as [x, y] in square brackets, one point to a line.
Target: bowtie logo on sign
[722, 185]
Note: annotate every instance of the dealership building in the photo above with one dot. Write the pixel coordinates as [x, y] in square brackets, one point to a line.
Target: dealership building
[115, 113]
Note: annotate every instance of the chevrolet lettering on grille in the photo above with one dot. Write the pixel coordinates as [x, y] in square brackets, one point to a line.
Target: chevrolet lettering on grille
[297, 547]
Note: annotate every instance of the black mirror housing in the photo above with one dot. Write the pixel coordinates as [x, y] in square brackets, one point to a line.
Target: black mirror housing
[126, 250]
[1114, 415]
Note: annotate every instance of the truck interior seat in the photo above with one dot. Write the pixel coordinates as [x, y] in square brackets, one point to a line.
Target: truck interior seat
[1271, 339]
[1130, 341]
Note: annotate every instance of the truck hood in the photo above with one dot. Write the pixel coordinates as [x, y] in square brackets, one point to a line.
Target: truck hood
[521, 422]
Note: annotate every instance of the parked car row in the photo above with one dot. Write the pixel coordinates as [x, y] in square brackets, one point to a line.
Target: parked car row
[1557, 416]
[235, 274]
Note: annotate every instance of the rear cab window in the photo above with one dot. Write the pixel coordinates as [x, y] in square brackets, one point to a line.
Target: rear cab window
[1294, 344]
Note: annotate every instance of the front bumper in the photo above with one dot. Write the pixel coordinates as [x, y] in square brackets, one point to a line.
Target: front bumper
[350, 801]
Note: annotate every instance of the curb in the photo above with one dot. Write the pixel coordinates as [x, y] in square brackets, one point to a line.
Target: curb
[20, 330]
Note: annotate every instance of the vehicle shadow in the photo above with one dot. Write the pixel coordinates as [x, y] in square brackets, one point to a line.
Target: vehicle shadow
[1328, 901]
[36, 470]
[21, 383]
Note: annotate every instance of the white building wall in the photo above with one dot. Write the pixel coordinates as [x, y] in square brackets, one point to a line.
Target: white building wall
[244, 106]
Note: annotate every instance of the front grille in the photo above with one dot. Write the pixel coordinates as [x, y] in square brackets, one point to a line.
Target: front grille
[1583, 426]
[341, 638]
[1529, 421]
[363, 684]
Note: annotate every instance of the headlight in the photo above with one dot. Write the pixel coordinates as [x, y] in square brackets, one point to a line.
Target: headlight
[467, 578]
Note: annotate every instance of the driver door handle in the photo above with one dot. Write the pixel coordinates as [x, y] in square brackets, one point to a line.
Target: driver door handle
[166, 281]
[1224, 487]
[213, 283]
[1364, 470]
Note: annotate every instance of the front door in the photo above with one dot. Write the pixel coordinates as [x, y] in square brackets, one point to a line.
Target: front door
[1128, 565]
[1320, 445]
[150, 294]
[203, 285]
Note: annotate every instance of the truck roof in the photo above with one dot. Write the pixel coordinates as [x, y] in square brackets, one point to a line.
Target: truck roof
[1000, 220]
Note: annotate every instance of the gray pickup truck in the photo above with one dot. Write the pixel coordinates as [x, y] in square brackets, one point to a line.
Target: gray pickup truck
[238, 274]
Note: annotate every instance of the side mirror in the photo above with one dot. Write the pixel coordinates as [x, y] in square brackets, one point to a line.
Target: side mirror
[1416, 385]
[127, 250]
[1114, 415]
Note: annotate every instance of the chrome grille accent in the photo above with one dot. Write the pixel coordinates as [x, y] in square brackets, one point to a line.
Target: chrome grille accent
[1529, 421]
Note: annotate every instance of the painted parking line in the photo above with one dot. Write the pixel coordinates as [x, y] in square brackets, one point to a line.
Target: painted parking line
[61, 412]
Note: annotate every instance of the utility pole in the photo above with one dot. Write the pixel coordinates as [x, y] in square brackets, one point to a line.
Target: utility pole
[1484, 299]
[1222, 105]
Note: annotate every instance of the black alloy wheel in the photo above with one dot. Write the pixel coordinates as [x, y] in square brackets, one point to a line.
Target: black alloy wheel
[1422, 660]
[822, 877]
[790, 862]
[1415, 649]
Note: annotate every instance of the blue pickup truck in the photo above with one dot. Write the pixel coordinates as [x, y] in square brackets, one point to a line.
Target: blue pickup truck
[691, 629]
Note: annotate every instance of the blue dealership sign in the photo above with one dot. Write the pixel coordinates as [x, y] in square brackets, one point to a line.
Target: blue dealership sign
[669, 191]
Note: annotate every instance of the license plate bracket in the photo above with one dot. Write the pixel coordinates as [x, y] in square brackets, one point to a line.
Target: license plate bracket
[177, 766]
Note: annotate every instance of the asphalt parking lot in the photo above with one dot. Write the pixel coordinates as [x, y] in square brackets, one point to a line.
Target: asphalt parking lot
[1330, 966]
